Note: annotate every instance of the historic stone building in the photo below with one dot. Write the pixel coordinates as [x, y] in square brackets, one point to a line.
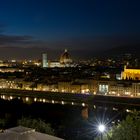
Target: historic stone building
[131, 74]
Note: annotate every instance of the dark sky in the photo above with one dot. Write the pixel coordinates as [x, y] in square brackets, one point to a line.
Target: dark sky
[79, 25]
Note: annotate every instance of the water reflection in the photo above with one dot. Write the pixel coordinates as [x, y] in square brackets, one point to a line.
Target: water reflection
[72, 120]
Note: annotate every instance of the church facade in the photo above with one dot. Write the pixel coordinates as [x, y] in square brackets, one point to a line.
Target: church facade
[131, 74]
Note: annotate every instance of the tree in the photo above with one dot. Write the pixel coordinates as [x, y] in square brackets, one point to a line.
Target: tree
[3, 123]
[128, 129]
[36, 124]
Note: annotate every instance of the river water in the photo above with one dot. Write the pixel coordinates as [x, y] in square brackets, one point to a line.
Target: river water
[70, 122]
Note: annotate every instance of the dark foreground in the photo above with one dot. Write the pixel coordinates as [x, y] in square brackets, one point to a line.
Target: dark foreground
[68, 121]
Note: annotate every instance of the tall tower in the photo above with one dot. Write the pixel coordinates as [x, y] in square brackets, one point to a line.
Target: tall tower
[44, 60]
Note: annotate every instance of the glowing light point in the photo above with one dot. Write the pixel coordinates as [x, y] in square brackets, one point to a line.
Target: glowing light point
[101, 128]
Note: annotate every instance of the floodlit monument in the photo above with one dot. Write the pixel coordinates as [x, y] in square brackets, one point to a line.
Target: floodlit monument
[131, 74]
[65, 57]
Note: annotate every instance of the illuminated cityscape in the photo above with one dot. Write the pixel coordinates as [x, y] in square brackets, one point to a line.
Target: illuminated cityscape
[69, 69]
[61, 76]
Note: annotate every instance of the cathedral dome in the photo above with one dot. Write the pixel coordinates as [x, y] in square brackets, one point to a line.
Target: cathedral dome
[65, 57]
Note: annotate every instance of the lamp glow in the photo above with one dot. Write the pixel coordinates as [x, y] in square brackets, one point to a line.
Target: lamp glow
[101, 128]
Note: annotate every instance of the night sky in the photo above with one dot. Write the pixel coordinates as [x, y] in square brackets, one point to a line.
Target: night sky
[29, 27]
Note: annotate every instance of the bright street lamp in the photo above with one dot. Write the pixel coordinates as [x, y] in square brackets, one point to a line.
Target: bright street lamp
[101, 129]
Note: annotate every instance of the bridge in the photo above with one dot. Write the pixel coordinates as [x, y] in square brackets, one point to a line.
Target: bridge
[30, 96]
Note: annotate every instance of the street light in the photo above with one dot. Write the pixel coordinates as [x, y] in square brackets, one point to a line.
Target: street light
[101, 129]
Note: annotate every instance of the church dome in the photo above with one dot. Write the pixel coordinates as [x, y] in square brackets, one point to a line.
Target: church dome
[65, 57]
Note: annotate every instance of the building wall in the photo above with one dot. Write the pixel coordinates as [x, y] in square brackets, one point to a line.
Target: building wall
[106, 87]
[44, 60]
[64, 86]
[133, 74]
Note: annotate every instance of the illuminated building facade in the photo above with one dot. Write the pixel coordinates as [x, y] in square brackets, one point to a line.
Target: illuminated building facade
[113, 88]
[65, 58]
[103, 88]
[44, 60]
[54, 64]
[121, 89]
[131, 74]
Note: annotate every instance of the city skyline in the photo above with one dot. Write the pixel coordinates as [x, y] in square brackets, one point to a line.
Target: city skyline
[83, 27]
[70, 69]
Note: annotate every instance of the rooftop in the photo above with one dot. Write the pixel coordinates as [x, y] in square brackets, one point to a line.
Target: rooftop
[23, 133]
